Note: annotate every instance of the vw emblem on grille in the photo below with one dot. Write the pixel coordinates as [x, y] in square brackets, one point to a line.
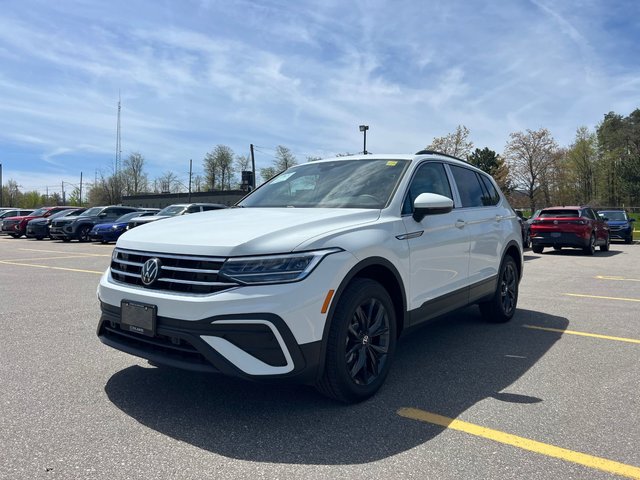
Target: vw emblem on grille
[150, 271]
[555, 222]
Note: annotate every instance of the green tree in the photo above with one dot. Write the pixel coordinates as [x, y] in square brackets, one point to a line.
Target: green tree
[580, 165]
[456, 144]
[492, 163]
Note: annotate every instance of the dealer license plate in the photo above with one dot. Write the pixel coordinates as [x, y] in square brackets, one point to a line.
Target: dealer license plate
[138, 317]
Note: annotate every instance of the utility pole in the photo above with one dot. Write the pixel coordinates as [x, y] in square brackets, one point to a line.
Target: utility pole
[64, 198]
[190, 172]
[1, 192]
[80, 188]
[253, 168]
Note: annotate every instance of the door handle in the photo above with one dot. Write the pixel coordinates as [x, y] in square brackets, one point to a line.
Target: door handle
[499, 218]
[460, 223]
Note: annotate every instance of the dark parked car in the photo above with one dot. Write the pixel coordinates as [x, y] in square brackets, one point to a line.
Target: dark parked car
[577, 227]
[17, 226]
[78, 228]
[620, 224]
[174, 211]
[110, 232]
[38, 228]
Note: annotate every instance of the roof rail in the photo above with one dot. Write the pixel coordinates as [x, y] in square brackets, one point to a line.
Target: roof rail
[433, 152]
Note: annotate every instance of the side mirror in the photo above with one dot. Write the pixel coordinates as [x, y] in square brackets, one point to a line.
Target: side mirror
[632, 219]
[431, 204]
[102, 215]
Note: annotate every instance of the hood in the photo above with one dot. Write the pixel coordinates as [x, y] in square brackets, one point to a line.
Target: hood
[108, 226]
[64, 220]
[38, 220]
[148, 219]
[243, 231]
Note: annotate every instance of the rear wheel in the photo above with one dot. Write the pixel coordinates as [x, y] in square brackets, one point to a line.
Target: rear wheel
[361, 343]
[537, 249]
[502, 306]
[590, 249]
[39, 238]
[605, 247]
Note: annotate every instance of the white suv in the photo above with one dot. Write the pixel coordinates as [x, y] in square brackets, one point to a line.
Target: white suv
[315, 274]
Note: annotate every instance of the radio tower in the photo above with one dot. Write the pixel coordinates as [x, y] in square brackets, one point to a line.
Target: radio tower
[118, 144]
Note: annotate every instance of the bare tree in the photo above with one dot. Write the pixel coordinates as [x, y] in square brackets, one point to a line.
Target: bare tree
[530, 158]
[284, 158]
[456, 144]
[167, 183]
[218, 167]
[134, 178]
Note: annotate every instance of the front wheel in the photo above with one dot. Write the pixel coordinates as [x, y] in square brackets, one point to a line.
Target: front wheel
[83, 234]
[502, 306]
[361, 343]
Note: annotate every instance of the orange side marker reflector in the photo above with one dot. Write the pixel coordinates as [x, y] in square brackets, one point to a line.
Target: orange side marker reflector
[327, 301]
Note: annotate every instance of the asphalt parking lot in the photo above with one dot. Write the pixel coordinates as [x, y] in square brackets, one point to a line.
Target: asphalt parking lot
[554, 394]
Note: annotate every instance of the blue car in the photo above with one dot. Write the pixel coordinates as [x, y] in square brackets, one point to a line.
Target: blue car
[110, 232]
[620, 225]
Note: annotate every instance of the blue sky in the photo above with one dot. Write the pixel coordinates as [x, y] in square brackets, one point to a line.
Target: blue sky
[304, 74]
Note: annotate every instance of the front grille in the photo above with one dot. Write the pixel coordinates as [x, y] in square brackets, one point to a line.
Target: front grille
[616, 228]
[178, 273]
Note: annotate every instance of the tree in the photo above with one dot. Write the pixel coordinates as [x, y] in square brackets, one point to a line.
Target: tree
[581, 162]
[134, 178]
[284, 159]
[530, 159]
[456, 144]
[11, 194]
[218, 167]
[166, 183]
[492, 163]
[313, 159]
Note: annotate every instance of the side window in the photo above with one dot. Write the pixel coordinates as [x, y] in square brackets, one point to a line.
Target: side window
[429, 178]
[206, 208]
[472, 193]
[193, 209]
[492, 196]
[587, 212]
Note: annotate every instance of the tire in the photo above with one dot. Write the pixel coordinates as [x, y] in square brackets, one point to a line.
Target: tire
[502, 306]
[628, 240]
[526, 242]
[537, 249]
[15, 235]
[66, 240]
[591, 248]
[39, 238]
[605, 246]
[361, 343]
[83, 233]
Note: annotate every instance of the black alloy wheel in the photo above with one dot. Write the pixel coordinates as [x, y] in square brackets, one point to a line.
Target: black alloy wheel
[502, 306]
[361, 342]
[83, 233]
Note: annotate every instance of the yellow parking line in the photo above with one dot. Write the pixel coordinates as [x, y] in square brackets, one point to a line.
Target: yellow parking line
[620, 279]
[603, 298]
[51, 268]
[590, 461]
[584, 334]
[67, 253]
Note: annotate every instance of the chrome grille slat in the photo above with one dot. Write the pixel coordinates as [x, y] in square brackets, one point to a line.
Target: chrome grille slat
[178, 273]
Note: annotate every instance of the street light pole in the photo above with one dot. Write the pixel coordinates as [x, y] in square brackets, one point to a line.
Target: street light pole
[363, 129]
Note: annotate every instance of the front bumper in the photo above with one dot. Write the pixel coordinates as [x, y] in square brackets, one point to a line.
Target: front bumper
[259, 332]
[218, 345]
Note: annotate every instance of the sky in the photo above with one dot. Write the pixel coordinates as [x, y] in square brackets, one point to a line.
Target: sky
[304, 74]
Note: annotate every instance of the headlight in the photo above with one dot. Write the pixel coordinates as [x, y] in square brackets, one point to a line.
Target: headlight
[274, 268]
[117, 227]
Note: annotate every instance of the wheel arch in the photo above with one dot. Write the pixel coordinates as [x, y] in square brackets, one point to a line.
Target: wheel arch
[382, 271]
[513, 250]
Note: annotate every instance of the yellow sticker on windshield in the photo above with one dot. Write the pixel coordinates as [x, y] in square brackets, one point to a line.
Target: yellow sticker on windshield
[391, 164]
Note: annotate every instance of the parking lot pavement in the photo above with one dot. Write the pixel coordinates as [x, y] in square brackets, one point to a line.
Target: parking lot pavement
[552, 394]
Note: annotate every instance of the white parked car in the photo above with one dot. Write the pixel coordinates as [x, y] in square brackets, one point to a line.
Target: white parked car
[315, 274]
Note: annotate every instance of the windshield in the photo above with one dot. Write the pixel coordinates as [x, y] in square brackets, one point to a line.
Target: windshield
[128, 216]
[91, 212]
[616, 216]
[332, 184]
[172, 210]
[61, 213]
[40, 212]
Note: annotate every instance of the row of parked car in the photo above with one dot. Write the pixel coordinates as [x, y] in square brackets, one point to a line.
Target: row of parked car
[103, 224]
[576, 227]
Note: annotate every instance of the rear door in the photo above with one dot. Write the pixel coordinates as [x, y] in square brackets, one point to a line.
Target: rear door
[485, 221]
